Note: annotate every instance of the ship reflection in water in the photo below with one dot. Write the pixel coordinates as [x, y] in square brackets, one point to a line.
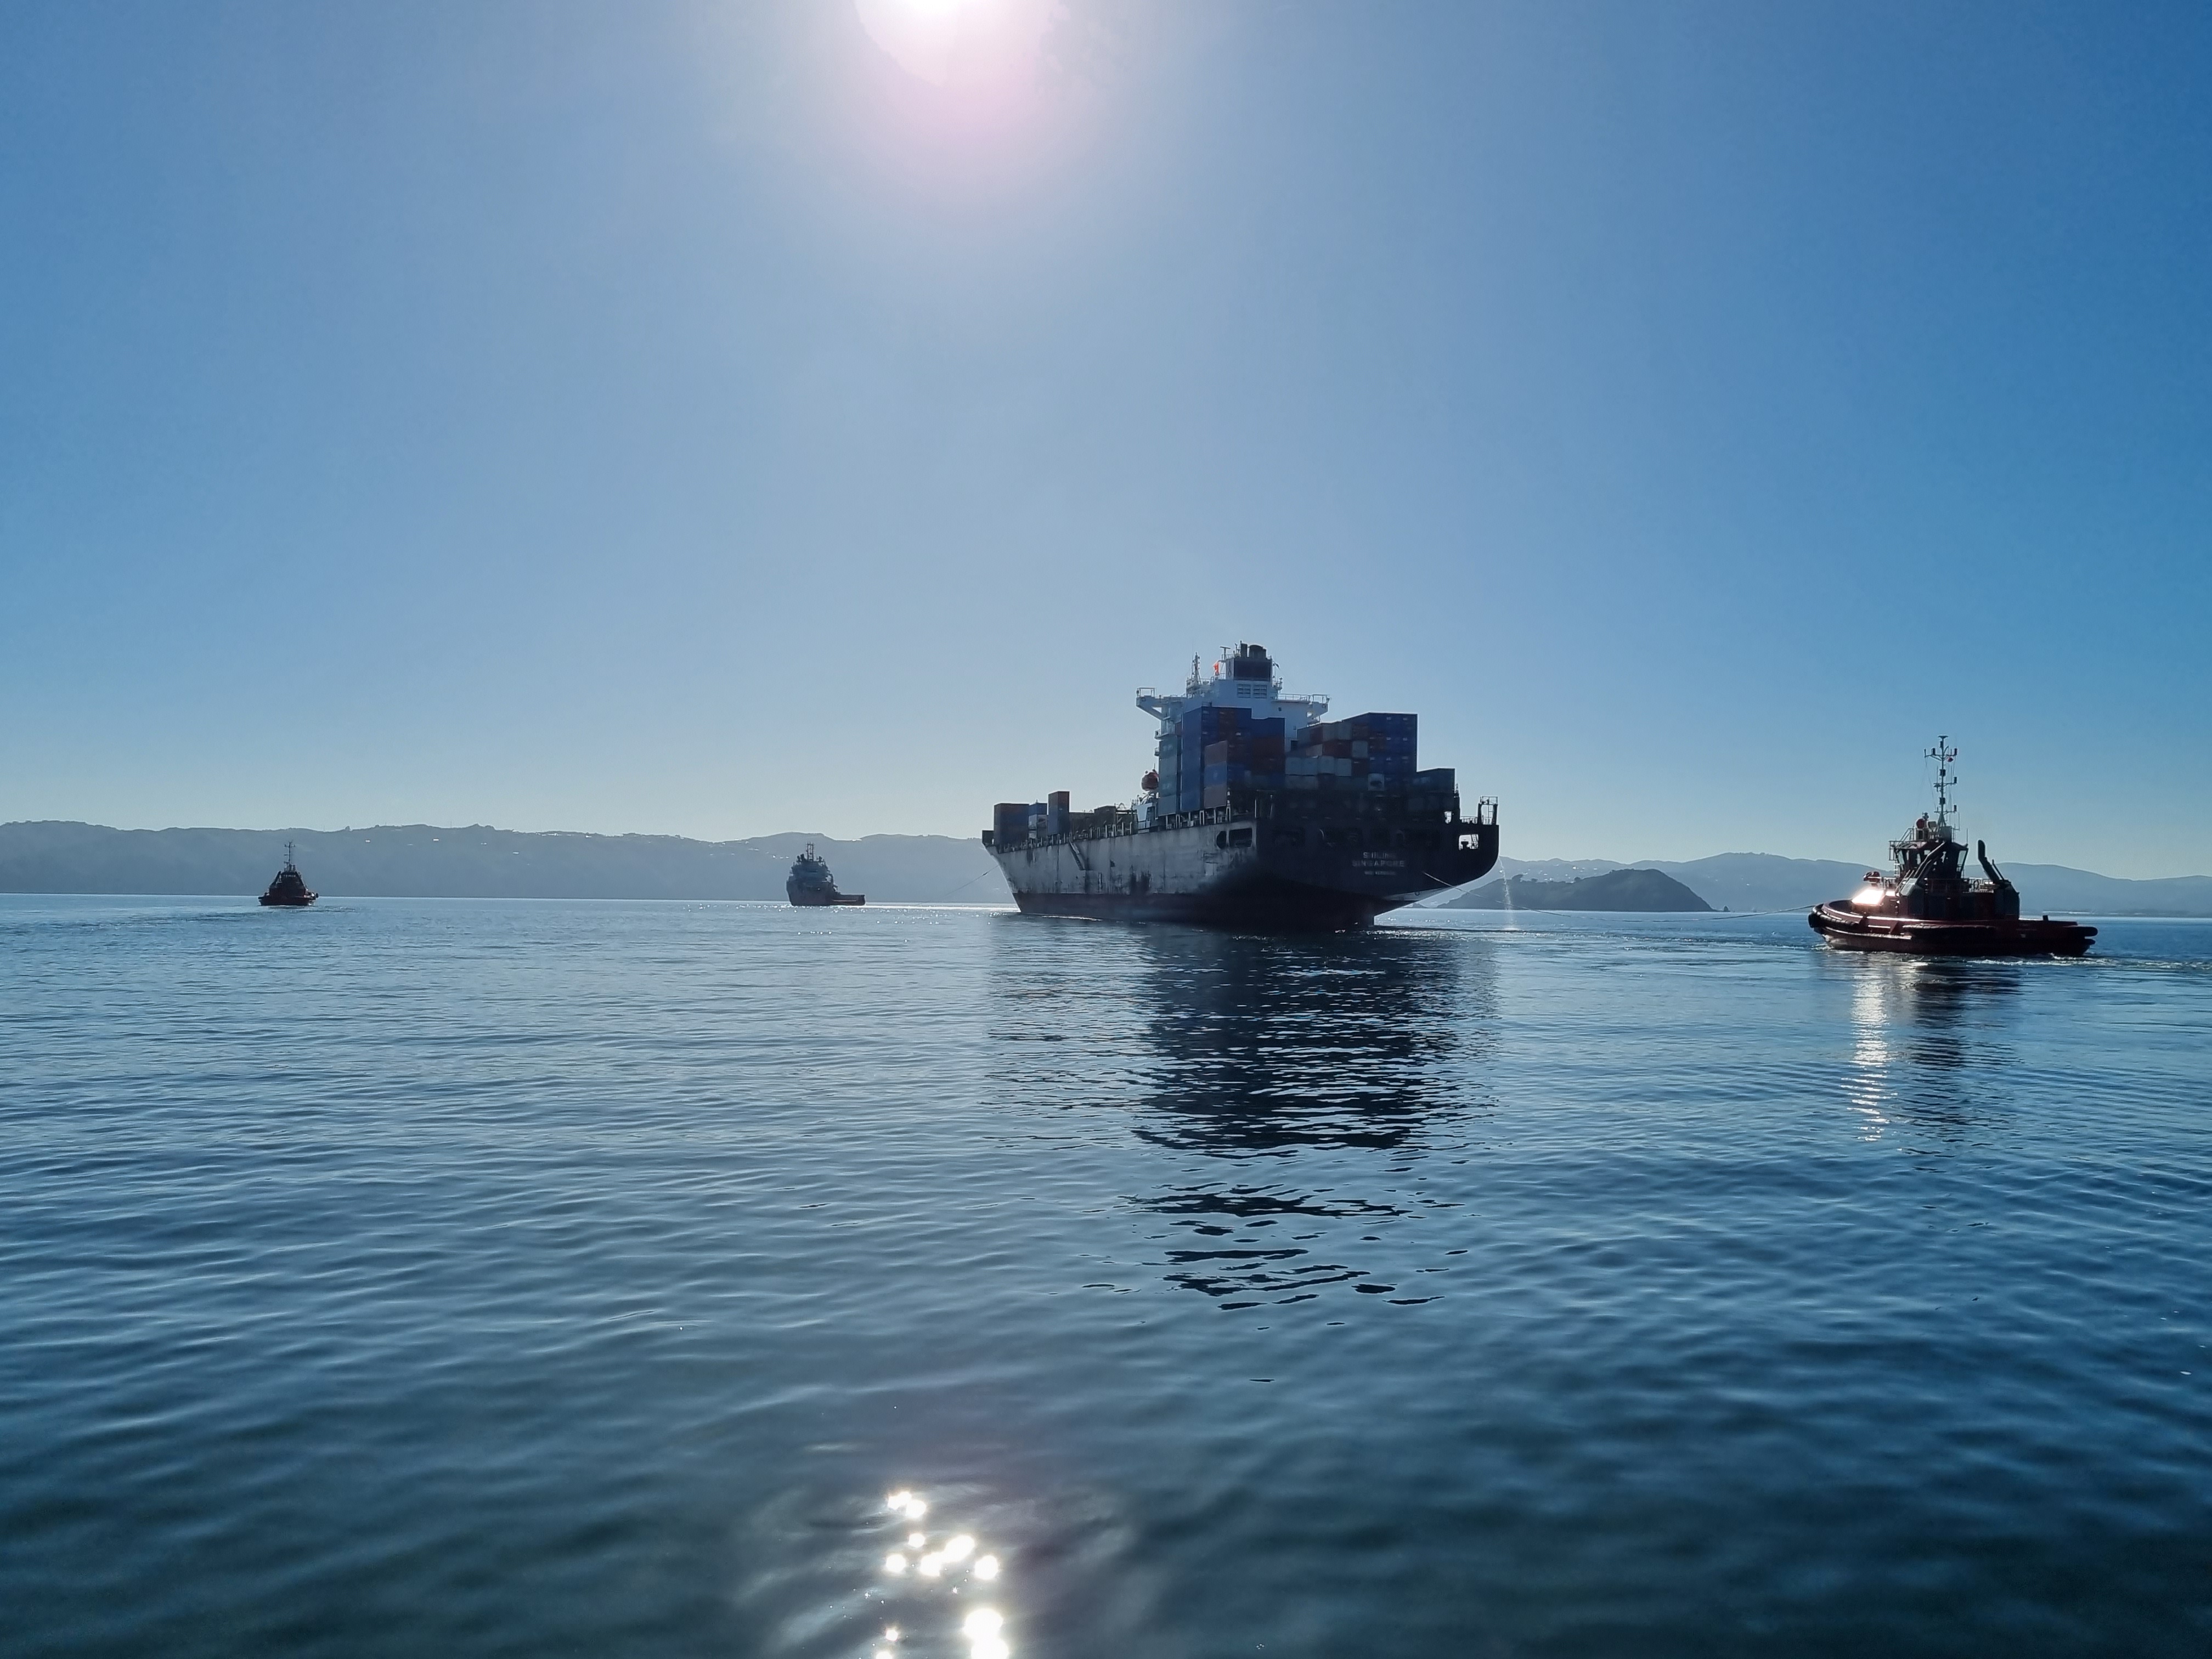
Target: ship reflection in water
[1929, 1038]
[1327, 1072]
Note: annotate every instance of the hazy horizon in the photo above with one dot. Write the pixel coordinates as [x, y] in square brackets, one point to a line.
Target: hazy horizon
[699, 418]
[1529, 856]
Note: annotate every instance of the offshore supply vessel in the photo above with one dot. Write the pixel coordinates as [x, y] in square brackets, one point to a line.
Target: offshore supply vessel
[1259, 813]
[289, 890]
[811, 883]
[1926, 906]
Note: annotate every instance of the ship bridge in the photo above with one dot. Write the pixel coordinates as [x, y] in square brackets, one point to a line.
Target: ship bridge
[1242, 678]
[1241, 694]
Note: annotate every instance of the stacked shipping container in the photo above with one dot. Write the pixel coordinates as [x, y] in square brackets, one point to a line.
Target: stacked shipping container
[1221, 750]
[1017, 821]
[1013, 822]
[1368, 751]
[1218, 751]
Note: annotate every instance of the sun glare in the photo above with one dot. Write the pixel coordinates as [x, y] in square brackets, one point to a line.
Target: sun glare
[978, 47]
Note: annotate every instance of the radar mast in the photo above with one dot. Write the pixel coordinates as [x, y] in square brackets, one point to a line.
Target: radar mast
[1946, 780]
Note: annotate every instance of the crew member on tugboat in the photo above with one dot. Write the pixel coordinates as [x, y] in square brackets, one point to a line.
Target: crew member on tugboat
[1926, 906]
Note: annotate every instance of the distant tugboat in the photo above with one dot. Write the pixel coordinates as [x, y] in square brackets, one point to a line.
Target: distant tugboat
[1928, 906]
[291, 888]
[810, 882]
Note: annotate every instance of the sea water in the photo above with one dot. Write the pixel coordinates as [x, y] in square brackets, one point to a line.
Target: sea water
[447, 1277]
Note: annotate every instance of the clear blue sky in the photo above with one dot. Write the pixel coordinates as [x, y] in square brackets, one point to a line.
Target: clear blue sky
[691, 418]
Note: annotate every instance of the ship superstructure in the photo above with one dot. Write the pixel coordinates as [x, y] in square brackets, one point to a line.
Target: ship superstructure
[1257, 811]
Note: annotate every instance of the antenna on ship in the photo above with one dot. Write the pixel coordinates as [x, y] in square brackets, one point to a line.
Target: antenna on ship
[289, 861]
[1942, 754]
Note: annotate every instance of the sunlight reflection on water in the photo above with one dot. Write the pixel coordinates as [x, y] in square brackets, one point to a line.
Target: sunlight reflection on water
[925, 1607]
[1868, 1086]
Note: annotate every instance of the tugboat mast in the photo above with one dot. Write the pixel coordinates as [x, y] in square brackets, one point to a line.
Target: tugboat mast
[1946, 780]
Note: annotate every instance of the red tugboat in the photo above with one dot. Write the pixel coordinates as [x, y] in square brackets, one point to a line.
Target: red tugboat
[1929, 907]
[289, 890]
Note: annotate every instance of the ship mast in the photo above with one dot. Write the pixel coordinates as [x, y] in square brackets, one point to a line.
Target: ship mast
[1942, 754]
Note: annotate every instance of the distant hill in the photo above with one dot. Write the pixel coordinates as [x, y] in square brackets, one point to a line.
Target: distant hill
[1616, 889]
[2054, 887]
[476, 861]
[1765, 881]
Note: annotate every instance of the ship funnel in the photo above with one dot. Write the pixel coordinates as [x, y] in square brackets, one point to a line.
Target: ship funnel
[1982, 852]
[1251, 662]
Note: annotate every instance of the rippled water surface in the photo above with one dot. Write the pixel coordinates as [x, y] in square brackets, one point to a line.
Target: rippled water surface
[445, 1278]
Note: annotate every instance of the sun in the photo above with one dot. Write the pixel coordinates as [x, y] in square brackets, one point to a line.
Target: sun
[976, 45]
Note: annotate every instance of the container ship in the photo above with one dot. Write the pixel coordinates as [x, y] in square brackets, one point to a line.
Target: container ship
[1927, 905]
[1258, 813]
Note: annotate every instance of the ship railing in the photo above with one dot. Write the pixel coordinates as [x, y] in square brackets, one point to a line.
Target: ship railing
[1126, 824]
[1204, 817]
[1485, 816]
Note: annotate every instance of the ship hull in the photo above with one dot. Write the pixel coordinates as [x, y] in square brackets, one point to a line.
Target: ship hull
[282, 904]
[807, 901]
[1848, 929]
[1227, 874]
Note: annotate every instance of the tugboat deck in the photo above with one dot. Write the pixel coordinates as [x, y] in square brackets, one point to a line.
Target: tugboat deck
[1850, 930]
